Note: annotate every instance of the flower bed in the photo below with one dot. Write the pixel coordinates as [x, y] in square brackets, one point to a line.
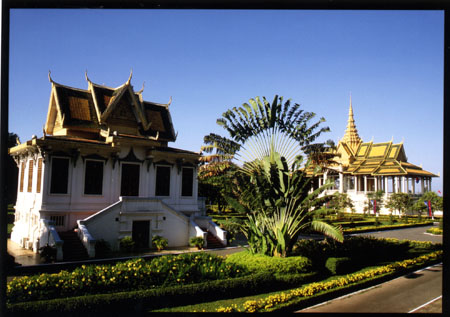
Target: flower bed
[130, 275]
[273, 302]
[437, 231]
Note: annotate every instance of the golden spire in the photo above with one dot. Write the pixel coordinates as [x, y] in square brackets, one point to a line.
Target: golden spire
[351, 137]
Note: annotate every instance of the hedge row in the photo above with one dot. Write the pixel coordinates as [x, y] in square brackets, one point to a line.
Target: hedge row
[131, 275]
[145, 300]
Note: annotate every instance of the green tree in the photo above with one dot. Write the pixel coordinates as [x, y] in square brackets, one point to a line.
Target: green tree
[215, 186]
[400, 202]
[271, 141]
[436, 203]
[339, 202]
[378, 197]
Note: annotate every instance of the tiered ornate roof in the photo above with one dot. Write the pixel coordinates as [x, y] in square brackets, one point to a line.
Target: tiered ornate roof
[379, 159]
[101, 111]
[376, 159]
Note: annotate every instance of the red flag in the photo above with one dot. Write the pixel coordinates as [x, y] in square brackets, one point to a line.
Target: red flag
[429, 208]
[374, 207]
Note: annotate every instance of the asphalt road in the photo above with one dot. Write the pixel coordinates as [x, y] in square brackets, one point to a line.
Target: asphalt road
[418, 292]
[401, 295]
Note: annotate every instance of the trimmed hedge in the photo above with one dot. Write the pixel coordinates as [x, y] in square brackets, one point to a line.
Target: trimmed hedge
[265, 263]
[131, 275]
[338, 266]
[144, 300]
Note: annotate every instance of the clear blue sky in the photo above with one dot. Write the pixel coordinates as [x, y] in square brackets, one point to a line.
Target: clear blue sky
[210, 61]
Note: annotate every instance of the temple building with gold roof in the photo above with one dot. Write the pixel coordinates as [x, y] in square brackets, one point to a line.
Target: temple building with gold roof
[364, 167]
[103, 170]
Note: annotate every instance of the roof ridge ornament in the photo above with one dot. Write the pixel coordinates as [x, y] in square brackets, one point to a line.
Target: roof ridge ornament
[86, 76]
[142, 89]
[170, 101]
[129, 78]
[50, 77]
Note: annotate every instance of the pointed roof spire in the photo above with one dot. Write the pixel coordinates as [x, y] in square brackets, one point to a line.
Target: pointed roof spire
[351, 137]
[129, 78]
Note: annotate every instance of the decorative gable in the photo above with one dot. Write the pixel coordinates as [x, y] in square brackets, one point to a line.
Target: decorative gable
[100, 111]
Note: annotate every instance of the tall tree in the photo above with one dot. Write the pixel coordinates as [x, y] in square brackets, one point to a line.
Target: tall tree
[270, 142]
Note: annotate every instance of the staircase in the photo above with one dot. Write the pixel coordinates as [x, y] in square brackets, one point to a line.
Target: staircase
[73, 249]
[212, 242]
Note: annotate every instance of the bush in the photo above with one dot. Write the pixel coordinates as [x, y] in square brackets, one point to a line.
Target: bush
[134, 274]
[197, 242]
[360, 249]
[265, 263]
[338, 266]
[127, 244]
[159, 242]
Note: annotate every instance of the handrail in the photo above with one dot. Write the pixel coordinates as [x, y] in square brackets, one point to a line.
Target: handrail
[86, 239]
[52, 238]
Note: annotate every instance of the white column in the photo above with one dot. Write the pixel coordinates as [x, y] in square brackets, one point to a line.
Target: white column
[341, 182]
[413, 185]
[422, 185]
[429, 184]
[386, 185]
[404, 185]
[376, 183]
[365, 184]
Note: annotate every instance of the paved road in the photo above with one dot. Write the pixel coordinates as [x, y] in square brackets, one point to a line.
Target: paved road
[417, 233]
[417, 292]
[401, 295]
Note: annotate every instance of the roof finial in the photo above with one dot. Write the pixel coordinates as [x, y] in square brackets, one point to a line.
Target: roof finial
[142, 89]
[170, 101]
[129, 78]
[87, 78]
[351, 136]
[50, 77]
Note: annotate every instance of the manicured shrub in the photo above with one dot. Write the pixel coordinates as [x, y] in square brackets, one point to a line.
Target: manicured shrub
[124, 276]
[196, 242]
[264, 263]
[159, 242]
[127, 244]
[338, 266]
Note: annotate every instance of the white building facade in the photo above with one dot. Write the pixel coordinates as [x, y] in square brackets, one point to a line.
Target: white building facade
[104, 170]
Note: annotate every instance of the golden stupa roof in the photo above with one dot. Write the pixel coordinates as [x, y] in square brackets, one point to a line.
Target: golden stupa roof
[351, 138]
[376, 159]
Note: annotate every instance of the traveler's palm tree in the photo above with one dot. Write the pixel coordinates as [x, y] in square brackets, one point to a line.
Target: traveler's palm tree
[269, 141]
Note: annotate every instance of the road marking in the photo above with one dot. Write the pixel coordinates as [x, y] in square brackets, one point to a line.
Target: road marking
[427, 303]
[374, 286]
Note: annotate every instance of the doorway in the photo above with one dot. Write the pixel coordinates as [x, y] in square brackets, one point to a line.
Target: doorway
[141, 233]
